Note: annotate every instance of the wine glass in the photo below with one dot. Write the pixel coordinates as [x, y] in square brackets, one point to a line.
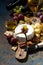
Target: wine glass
[33, 5]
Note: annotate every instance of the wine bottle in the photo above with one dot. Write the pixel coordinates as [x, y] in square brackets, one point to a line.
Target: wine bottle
[11, 5]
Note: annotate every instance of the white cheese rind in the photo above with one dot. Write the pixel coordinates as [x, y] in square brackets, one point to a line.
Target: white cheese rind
[21, 36]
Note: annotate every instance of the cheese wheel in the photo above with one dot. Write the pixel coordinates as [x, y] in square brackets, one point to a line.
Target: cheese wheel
[21, 36]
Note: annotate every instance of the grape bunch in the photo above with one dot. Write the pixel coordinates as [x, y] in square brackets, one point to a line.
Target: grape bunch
[40, 15]
[18, 17]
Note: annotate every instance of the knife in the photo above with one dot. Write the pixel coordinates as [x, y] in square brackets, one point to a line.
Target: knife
[35, 47]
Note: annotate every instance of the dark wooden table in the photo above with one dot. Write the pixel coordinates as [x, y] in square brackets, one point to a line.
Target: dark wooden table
[7, 56]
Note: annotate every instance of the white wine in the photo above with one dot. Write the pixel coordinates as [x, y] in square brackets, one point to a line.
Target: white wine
[33, 5]
[10, 25]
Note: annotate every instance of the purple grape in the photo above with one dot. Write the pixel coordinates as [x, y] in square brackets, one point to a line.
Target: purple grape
[9, 37]
[41, 18]
[13, 40]
[15, 14]
[15, 18]
[38, 14]
[20, 17]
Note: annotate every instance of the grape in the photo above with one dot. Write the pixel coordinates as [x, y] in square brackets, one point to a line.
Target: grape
[18, 11]
[9, 37]
[24, 29]
[41, 18]
[14, 10]
[20, 17]
[21, 21]
[38, 14]
[15, 14]
[15, 18]
[13, 40]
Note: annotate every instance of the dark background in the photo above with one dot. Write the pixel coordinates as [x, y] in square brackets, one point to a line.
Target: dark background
[3, 7]
[7, 56]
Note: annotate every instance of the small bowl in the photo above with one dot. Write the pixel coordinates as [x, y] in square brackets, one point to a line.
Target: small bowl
[10, 25]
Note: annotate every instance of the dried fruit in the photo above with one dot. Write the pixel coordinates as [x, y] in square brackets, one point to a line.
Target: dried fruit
[27, 20]
[29, 43]
[35, 40]
[42, 27]
[21, 44]
[8, 34]
[41, 38]
[14, 48]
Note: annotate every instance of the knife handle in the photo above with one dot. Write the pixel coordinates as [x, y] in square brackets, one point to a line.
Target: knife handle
[35, 47]
[40, 45]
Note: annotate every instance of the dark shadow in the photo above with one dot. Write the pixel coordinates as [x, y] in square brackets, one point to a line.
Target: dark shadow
[34, 51]
[30, 51]
[12, 44]
[40, 49]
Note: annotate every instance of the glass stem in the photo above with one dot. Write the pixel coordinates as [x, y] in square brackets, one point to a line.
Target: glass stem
[34, 14]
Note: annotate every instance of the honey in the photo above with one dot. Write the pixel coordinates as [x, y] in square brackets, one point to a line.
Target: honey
[10, 25]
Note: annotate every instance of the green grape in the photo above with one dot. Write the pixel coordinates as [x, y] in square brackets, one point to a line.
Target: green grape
[17, 7]
[20, 9]
[17, 11]
[21, 6]
[14, 10]
[25, 27]
[21, 21]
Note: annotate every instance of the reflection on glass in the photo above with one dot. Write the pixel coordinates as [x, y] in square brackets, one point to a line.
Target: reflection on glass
[33, 5]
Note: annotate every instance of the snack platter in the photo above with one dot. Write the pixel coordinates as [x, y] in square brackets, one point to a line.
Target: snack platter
[25, 31]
